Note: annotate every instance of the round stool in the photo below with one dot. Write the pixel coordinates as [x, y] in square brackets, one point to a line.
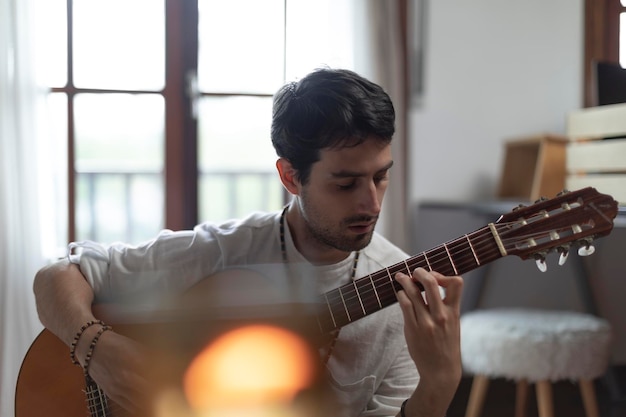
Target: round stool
[534, 346]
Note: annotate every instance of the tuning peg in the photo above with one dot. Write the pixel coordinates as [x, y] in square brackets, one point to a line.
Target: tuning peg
[541, 265]
[563, 192]
[586, 250]
[564, 252]
[542, 198]
[540, 260]
[519, 206]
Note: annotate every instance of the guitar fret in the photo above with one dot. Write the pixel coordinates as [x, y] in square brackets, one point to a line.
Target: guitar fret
[353, 301]
[442, 261]
[375, 291]
[359, 297]
[472, 248]
[451, 260]
[408, 270]
[97, 401]
[391, 281]
[430, 268]
[345, 307]
[330, 310]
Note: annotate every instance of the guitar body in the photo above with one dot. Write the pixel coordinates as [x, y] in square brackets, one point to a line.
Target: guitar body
[49, 384]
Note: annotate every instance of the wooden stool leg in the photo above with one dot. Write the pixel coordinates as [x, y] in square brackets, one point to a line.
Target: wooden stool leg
[477, 396]
[544, 399]
[588, 393]
[521, 398]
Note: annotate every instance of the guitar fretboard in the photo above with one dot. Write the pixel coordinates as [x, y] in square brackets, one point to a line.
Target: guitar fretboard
[376, 291]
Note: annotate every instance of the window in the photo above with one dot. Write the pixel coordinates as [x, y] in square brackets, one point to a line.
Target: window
[605, 39]
[166, 104]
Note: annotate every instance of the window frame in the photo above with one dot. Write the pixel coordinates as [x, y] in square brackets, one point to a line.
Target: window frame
[181, 172]
[601, 40]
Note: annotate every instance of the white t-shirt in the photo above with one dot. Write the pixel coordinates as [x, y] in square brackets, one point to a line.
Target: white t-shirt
[370, 368]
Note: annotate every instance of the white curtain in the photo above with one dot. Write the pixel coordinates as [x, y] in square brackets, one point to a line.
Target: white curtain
[23, 173]
[383, 60]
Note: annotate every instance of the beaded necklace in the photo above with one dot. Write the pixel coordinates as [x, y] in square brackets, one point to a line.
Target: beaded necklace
[283, 249]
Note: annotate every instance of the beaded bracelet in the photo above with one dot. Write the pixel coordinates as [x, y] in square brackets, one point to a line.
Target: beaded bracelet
[77, 338]
[91, 348]
[402, 408]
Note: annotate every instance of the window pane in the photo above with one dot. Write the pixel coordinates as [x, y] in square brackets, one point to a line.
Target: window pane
[50, 21]
[118, 207]
[100, 210]
[146, 207]
[119, 44]
[230, 195]
[119, 163]
[119, 132]
[240, 45]
[237, 160]
[319, 33]
[234, 134]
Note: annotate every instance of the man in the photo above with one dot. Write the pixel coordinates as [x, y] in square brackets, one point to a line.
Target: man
[332, 132]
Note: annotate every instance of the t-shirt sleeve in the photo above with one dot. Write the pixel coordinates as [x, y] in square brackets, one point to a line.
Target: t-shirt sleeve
[172, 261]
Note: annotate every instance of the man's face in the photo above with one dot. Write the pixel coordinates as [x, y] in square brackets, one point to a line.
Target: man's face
[342, 199]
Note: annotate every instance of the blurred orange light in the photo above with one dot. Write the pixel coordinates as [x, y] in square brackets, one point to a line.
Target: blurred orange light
[249, 366]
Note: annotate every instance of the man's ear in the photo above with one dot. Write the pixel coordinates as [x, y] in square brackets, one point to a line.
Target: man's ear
[288, 176]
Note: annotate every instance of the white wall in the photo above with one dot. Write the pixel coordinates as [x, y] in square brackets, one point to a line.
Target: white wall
[494, 70]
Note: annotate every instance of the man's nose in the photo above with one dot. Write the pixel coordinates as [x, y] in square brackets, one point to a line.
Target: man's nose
[371, 199]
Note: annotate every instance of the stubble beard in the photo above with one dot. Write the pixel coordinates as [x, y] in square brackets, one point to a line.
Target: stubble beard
[338, 241]
[321, 230]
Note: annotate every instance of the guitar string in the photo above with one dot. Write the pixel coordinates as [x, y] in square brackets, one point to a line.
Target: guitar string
[283, 249]
[97, 401]
[100, 406]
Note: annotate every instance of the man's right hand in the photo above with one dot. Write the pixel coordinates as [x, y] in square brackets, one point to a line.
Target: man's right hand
[118, 365]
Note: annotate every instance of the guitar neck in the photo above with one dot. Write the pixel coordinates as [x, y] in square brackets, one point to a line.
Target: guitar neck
[376, 291]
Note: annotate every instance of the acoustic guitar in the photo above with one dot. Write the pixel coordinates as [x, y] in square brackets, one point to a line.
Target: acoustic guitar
[50, 385]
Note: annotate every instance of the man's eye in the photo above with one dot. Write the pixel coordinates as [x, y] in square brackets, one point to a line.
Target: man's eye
[380, 178]
[346, 186]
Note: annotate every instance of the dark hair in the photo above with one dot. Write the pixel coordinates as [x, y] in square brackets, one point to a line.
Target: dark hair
[329, 108]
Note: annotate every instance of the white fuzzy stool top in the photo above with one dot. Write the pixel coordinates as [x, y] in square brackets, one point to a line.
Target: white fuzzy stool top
[535, 345]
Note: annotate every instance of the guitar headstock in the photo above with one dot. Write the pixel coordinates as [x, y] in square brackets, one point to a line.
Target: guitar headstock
[571, 218]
